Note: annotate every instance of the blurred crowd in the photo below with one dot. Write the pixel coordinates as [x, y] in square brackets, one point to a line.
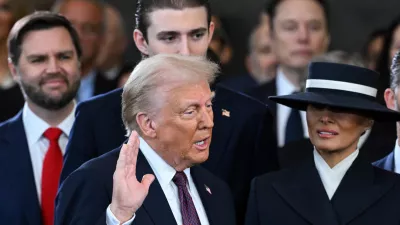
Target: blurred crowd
[104, 41]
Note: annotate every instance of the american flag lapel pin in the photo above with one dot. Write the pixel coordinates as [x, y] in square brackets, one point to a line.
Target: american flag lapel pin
[226, 113]
[208, 189]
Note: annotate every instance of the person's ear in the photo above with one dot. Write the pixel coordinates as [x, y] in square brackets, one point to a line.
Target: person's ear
[146, 125]
[140, 42]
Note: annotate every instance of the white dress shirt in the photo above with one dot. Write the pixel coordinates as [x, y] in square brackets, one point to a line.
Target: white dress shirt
[397, 157]
[38, 144]
[331, 177]
[164, 174]
[285, 87]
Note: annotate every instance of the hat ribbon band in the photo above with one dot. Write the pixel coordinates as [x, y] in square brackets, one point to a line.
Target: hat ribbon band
[342, 86]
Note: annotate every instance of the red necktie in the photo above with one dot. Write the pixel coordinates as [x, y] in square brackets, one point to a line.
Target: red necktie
[52, 166]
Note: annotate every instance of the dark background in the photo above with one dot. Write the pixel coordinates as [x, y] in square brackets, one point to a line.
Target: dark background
[352, 21]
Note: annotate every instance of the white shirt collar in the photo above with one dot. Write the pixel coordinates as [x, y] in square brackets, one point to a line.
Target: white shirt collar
[397, 157]
[283, 85]
[163, 171]
[112, 73]
[331, 177]
[35, 126]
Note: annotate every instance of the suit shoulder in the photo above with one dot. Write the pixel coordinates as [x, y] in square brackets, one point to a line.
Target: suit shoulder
[5, 125]
[99, 101]
[104, 165]
[262, 91]
[226, 93]
[272, 177]
[382, 174]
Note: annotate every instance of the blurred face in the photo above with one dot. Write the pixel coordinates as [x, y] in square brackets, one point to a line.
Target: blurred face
[48, 69]
[183, 32]
[262, 61]
[392, 102]
[87, 19]
[299, 32]
[334, 130]
[6, 19]
[374, 50]
[395, 46]
[114, 39]
[184, 124]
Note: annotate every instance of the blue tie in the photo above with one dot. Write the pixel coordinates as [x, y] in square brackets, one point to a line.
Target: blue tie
[294, 127]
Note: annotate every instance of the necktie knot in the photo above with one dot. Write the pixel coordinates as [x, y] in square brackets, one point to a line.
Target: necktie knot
[180, 179]
[53, 133]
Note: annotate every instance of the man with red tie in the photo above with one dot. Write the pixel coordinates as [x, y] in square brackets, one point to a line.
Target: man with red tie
[44, 59]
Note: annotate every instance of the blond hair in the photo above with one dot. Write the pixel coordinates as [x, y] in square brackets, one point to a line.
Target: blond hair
[162, 70]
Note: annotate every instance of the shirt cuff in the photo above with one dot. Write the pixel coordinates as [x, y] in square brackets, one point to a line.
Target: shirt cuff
[112, 220]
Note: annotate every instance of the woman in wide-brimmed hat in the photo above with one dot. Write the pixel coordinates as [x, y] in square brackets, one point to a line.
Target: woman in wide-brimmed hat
[336, 186]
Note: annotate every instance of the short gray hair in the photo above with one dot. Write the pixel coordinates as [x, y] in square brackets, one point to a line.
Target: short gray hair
[342, 57]
[161, 70]
[395, 72]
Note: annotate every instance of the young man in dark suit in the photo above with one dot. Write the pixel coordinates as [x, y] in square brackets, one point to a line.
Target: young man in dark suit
[243, 144]
[168, 102]
[44, 59]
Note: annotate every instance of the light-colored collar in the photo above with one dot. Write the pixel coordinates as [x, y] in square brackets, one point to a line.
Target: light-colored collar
[112, 73]
[8, 82]
[36, 126]
[343, 165]
[283, 85]
[90, 77]
[397, 157]
[163, 171]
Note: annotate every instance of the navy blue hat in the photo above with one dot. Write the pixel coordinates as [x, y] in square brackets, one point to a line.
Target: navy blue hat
[340, 86]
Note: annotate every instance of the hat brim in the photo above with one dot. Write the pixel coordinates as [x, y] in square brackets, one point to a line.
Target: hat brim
[369, 108]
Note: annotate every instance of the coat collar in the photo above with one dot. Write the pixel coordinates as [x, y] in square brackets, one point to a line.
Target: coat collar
[359, 184]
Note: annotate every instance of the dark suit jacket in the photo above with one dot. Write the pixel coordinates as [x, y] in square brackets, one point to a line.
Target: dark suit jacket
[242, 145]
[19, 203]
[366, 195]
[378, 144]
[240, 83]
[11, 101]
[103, 85]
[85, 195]
[386, 163]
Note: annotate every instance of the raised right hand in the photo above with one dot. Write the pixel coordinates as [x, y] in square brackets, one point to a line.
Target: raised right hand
[128, 193]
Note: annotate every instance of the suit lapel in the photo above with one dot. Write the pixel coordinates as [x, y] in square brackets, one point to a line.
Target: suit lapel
[304, 192]
[360, 186]
[210, 203]
[18, 156]
[155, 204]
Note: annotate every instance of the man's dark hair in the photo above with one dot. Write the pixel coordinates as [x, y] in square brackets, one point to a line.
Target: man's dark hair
[41, 20]
[272, 6]
[145, 7]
